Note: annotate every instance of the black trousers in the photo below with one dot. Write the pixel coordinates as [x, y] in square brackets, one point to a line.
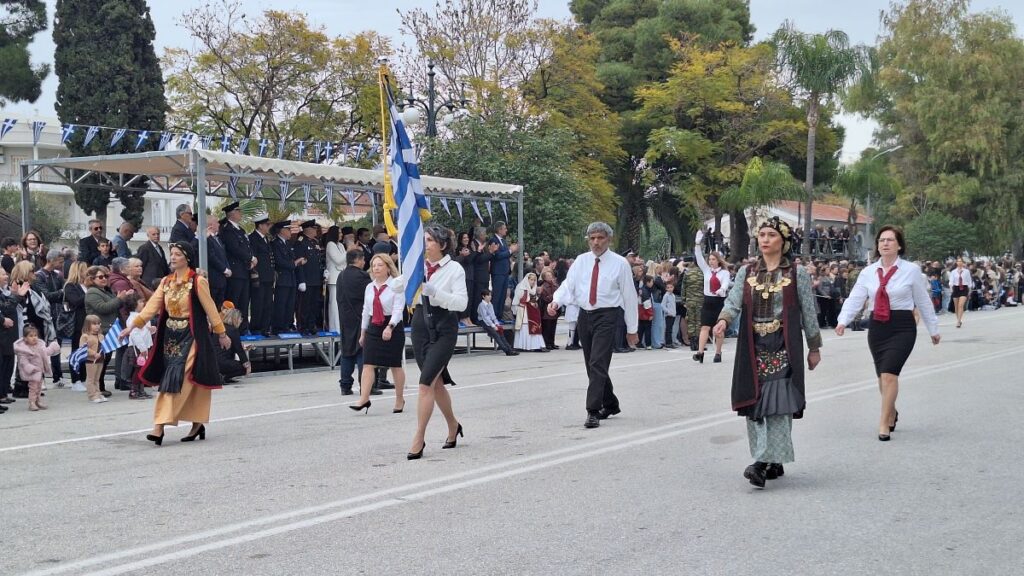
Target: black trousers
[6, 372]
[499, 339]
[238, 294]
[231, 368]
[474, 300]
[261, 304]
[547, 330]
[669, 337]
[312, 303]
[55, 367]
[597, 336]
[284, 308]
[217, 294]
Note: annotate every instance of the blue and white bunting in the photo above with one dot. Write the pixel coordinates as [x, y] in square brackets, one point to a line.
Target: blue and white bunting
[280, 149]
[373, 150]
[243, 146]
[78, 357]
[344, 152]
[205, 142]
[66, 132]
[165, 139]
[91, 135]
[329, 192]
[318, 147]
[264, 144]
[143, 137]
[359, 152]
[504, 208]
[233, 186]
[301, 150]
[110, 340]
[185, 142]
[6, 126]
[284, 184]
[350, 195]
[307, 188]
[225, 143]
[118, 135]
[458, 204]
[37, 131]
[490, 211]
[444, 203]
[328, 148]
[256, 188]
[476, 209]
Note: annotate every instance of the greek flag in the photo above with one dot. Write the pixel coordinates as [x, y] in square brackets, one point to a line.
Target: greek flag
[91, 134]
[412, 204]
[302, 150]
[67, 132]
[504, 208]
[225, 143]
[143, 137]
[243, 146]
[318, 147]
[284, 184]
[328, 148]
[118, 134]
[78, 357]
[233, 186]
[256, 188]
[264, 143]
[329, 191]
[306, 189]
[165, 139]
[37, 131]
[280, 149]
[205, 141]
[110, 341]
[476, 209]
[6, 126]
[185, 142]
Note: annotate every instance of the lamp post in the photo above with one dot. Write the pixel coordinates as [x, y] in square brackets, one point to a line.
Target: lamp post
[411, 109]
[870, 214]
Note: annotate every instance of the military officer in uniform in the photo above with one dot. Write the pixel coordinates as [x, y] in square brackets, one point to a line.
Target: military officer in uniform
[286, 265]
[240, 260]
[693, 296]
[312, 279]
[262, 297]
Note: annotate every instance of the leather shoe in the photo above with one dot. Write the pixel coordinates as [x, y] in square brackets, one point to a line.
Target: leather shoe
[346, 392]
[511, 353]
[622, 350]
[385, 385]
[574, 347]
[591, 422]
[604, 413]
[375, 392]
[774, 471]
[755, 473]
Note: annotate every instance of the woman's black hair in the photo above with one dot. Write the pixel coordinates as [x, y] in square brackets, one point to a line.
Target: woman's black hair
[442, 236]
[899, 238]
[187, 251]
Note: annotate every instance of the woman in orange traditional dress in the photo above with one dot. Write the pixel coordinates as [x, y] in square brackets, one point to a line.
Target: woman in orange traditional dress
[183, 362]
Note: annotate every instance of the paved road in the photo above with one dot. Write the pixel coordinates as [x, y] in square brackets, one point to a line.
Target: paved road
[290, 481]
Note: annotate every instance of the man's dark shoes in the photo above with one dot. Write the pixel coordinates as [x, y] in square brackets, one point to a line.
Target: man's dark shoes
[756, 473]
[621, 350]
[591, 422]
[774, 471]
[604, 413]
[573, 347]
[346, 391]
[385, 385]
[511, 353]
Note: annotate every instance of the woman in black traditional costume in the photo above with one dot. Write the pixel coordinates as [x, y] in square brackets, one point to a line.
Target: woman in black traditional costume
[183, 361]
[775, 302]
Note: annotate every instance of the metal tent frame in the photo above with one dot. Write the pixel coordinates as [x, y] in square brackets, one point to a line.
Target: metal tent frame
[207, 173]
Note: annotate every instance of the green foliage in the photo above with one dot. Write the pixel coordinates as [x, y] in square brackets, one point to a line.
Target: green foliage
[47, 214]
[508, 148]
[763, 184]
[20, 21]
[935, 235]
[109, 76]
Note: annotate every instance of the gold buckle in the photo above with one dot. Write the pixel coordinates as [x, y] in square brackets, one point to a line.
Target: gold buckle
[765, 328]
[177, 324]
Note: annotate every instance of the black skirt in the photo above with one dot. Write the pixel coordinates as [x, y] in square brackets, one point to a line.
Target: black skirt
[433, 340]
[961, 292]
[712, 308]
[892, 342]
[380, 352]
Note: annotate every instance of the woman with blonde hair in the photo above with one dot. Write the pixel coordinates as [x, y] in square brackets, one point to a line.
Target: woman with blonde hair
[74, 299]
[716, 288]
[382, 333]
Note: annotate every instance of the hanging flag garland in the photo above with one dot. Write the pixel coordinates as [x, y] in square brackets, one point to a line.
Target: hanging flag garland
[504, 208]
[7, 126]
[257, 187]
[458, 204]
[118, 135]
[444, 203]
[476, 209]
[329, 191]
[66, 133]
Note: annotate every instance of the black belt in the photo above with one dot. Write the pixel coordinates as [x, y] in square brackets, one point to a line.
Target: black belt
[598, 310]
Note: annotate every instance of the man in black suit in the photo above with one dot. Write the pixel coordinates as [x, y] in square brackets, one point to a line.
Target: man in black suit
[351, 292]
[365, 242]
[154, 260]
[285, 264]
[262, 298]
[89, 247]
[217, 266]
[501, 267]
[240, 260]
[484, 252]
[311, 284]
[182, 230]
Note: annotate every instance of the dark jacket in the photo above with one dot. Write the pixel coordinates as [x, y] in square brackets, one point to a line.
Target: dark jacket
[236, 244]
[88, 250]
[154, 264]
[8, 310]
[351, 290]
[468, 263]
[217, 262]
[237, 350]
[482, 265]
[51, 286]
[74, 296]
[501, 263]
[284, 263]
[181, 232]
[263, 251]
[313, 270]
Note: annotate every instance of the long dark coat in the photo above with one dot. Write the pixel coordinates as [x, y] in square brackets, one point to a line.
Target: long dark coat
[351, 290]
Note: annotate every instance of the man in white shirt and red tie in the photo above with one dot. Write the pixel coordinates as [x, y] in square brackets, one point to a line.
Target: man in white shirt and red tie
[600, 283]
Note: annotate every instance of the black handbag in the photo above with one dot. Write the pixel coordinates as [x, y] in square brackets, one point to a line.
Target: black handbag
[64, 324]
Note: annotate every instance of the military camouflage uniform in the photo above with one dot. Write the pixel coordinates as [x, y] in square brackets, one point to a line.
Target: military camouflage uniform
[693, 297]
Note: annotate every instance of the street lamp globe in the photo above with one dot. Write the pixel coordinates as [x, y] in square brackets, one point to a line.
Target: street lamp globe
[411, 116]
[448, 119]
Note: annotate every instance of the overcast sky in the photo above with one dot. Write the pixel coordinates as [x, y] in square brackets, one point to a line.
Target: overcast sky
[859, 19]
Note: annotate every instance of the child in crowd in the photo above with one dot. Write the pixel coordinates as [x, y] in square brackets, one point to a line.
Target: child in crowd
[489, 322]
[34, 363]
[668, 308]
[105, 257]
[646, 314]
[94, 360]
[936, 290]
[140, 340]
[8, 334]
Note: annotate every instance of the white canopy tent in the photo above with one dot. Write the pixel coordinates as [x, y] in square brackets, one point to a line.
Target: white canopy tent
[207, 173]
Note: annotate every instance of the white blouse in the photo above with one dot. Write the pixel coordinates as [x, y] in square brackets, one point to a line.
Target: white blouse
[955, 277]
[907, 290]
[722, 273]
[392, 300]
[450, 284]
[335, 261]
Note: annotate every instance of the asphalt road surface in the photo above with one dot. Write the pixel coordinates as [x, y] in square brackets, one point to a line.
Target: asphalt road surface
[290, 481]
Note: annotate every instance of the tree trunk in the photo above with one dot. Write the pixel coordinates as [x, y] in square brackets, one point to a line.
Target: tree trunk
[739, 236]
[812, 135]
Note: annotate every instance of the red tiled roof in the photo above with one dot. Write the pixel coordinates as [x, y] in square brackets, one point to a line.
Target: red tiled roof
[823, 212]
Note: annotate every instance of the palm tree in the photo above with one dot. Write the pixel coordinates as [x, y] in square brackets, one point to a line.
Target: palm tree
[764, 183]
[820, 66]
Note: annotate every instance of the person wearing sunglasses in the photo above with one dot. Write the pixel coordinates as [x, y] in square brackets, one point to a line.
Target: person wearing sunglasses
[89, 247]
[101, 301]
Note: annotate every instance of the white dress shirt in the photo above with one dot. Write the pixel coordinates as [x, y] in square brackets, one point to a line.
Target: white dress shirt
[955, 276]
[722, 273]
[615, 287]
[335, 261]
[392, 300]
[907, 290]
[449, 282]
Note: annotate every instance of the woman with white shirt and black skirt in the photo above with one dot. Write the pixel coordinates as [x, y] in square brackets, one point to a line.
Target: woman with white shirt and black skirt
[960, 282]
[435, 328]
[716, 288]
[382, 336]
[894, 287]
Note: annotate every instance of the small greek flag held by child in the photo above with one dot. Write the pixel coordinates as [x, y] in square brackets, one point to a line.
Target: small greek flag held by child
[110, 341]
[77, 358]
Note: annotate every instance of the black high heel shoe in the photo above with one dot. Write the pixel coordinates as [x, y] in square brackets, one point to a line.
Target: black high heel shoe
[158, 440]
[884, 437]
[894, 421]
[357, 407]
[201, 433]
[699, 357]
[452, 443]
[416, 455]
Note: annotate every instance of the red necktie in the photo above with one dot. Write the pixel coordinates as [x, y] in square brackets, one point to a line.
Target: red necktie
[882, 311]
[378, 309]
[716, 284]
[593, 282]
[431, 268]
[960, 274]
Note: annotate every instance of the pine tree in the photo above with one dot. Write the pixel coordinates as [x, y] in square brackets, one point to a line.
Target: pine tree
[109, 76]
[20, 20]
